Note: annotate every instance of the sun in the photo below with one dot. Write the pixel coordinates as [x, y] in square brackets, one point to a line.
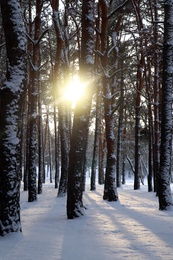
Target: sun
[74, 90]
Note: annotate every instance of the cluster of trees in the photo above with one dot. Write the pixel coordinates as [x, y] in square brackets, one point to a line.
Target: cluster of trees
[122, 52]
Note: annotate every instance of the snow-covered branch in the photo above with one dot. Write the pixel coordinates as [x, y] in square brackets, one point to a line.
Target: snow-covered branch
[120, 5]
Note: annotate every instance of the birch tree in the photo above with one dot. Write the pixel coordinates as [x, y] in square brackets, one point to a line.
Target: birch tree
[10, 100]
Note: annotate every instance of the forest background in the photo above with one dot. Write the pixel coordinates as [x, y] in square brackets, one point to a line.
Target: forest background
[120, 53]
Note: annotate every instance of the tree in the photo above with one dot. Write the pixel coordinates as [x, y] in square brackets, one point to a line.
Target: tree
[157, 82]
[61, 75]
[33, 104]
[82, 115]
[120, 131]
[110, 191]
[95, 148]
[10, 102]
[139, 86]
[163, 184]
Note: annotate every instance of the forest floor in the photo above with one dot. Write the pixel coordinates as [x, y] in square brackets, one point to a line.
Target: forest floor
[132, 228]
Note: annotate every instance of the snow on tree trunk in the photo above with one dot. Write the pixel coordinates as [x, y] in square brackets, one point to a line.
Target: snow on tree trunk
[95, 149]
[120, 132]
[56, 146]
[61, 76]
[10, 93]
[110, 191]
[64, 133]
[137, 142]
[33, 109]
[163, 187]
[101, 177]
[139, 87]
[156, 137]
[82, 115]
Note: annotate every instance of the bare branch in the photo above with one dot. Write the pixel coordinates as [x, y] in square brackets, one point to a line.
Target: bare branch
[28, 36]
[40, 38]
[131, 164]
[1, 45]
[42, 35]
[99, 53]
[120, 5]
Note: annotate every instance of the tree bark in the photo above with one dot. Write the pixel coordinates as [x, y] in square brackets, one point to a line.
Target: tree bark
[82, 115]
[110, 191]
[156, 132]
[33, 103]
[163, 183]
[11, 93]
[139, 87]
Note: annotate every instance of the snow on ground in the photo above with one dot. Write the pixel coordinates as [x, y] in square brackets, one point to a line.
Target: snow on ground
[132, 228]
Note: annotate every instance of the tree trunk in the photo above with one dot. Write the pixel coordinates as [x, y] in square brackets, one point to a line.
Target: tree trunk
[82, 115]
[139, 86]
[120, 132]
[163, 184]
[64, 150]
[56, 129]
[137, 142]
[33, 102]
[95, 150]
[156, 134]
[40, 144]
[101, 175]
[110, 191]
[11, 93]
[60, 79]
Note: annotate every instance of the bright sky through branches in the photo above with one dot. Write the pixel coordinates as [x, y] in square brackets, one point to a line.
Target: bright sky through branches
[74, 90]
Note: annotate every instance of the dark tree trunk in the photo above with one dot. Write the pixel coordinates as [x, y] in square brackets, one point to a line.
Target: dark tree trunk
[60, 75]
[95, 157]
[26, 166]
[95, 150]
[163, 184]
[11, 93]
[137, 142]
[119, 152]
[40, 145]
[33, 102]
[59, 42]
[148, 82]
[120, 132]
[150, 147]
[64, 150]
[124, 169]
[22, 134]
[84, 166]
[110, 191]
[50, 152]
[82, 115]
[139, 87]
[156, 127]
[56, 147]
[29, 50]
[101, 174]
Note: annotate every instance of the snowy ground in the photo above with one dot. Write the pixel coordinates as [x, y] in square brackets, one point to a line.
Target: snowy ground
[132, 228]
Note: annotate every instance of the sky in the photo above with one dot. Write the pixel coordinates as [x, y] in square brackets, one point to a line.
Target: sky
[132, 228]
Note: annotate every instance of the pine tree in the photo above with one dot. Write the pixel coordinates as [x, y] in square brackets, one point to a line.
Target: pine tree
[163, 184]
[10, 101]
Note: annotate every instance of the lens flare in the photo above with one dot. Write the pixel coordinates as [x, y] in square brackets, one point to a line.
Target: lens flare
[74, 90]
